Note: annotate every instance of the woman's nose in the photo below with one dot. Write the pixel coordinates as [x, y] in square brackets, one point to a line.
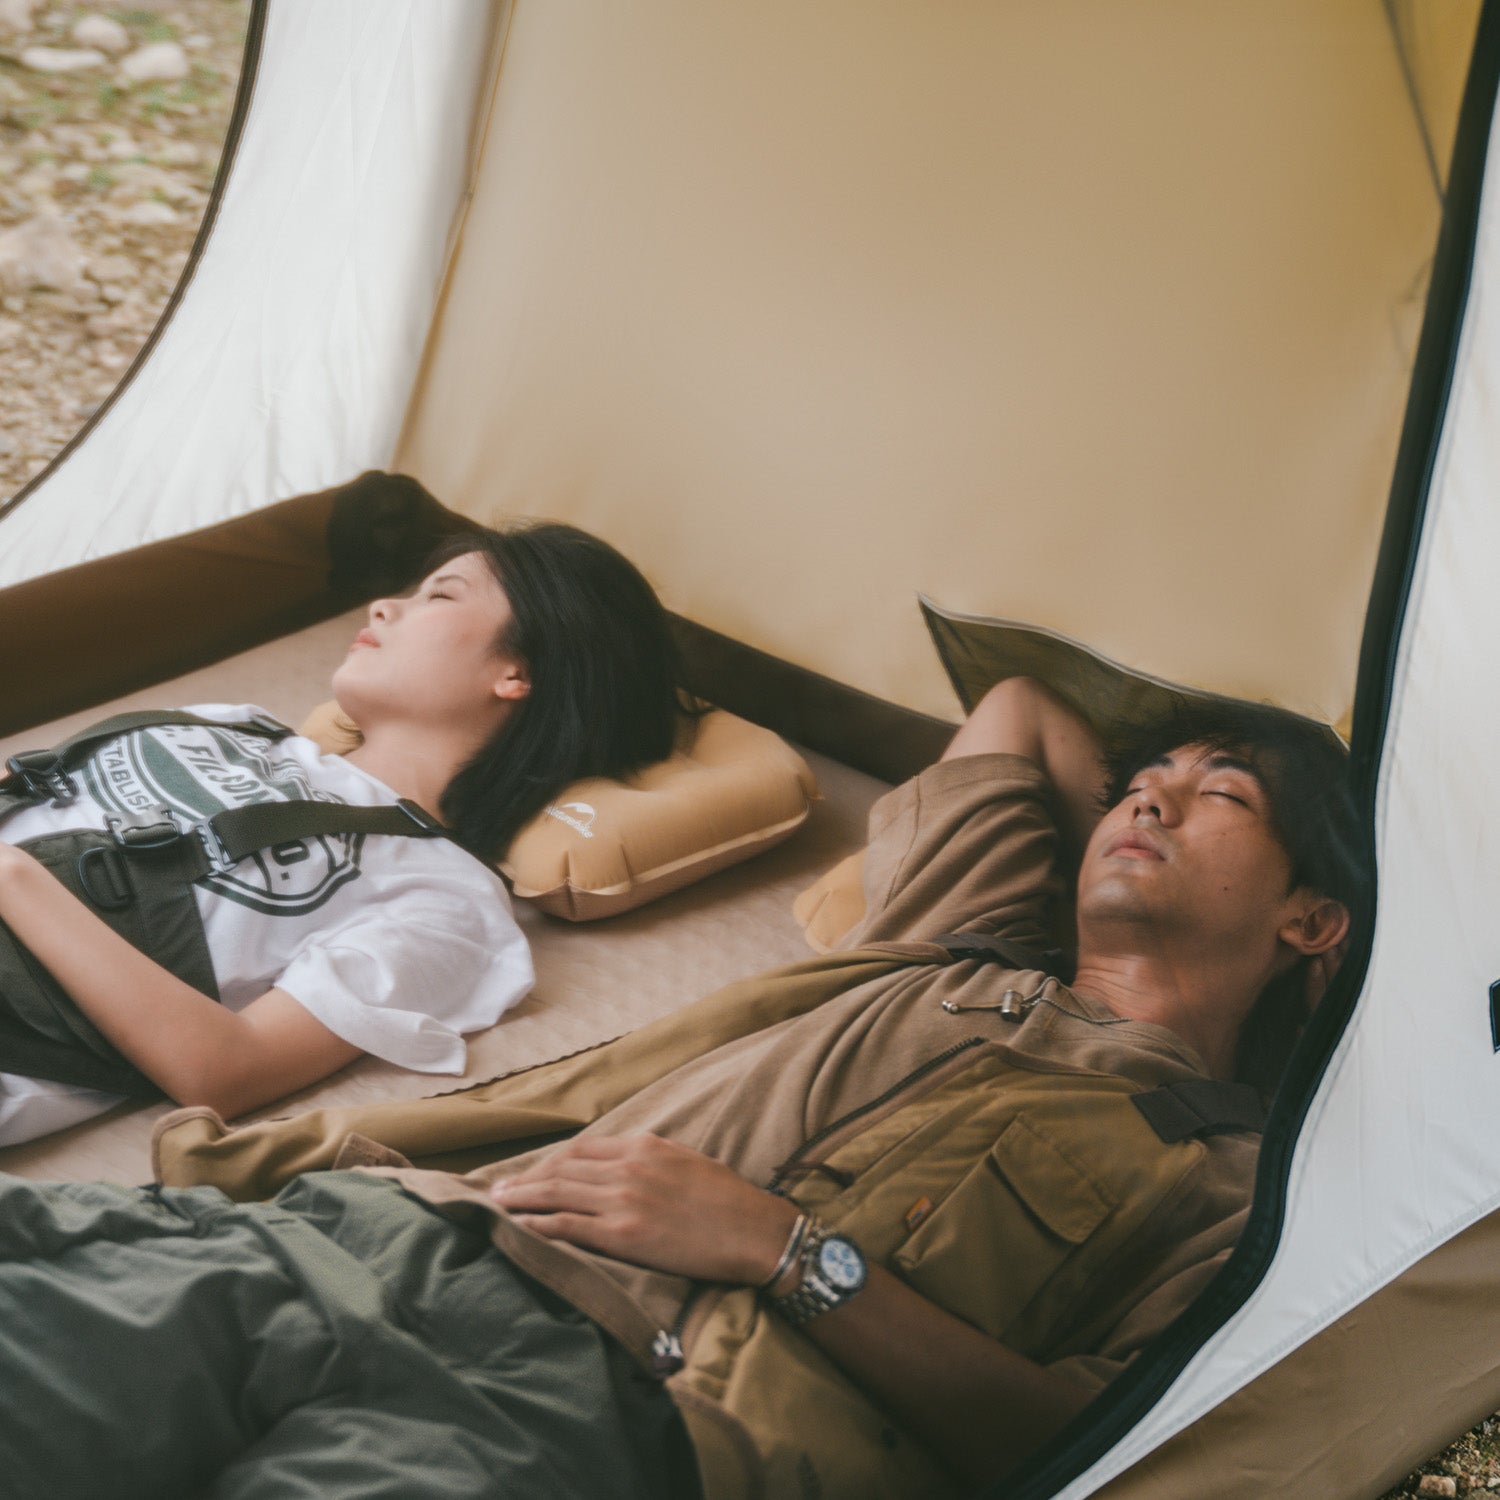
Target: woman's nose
[383, 611]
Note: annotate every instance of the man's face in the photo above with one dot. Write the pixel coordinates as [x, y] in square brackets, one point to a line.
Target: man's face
[1188, 856]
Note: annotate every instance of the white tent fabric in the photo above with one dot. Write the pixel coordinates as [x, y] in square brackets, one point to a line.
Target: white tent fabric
[1397, 1153]
[289, 366]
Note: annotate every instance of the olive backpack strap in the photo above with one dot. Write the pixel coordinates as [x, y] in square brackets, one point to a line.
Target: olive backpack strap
[227, 837]
[35, 776]
[260, 825]
[137, 875]
[45, 775]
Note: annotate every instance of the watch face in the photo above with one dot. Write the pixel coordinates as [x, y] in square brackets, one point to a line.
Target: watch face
[841, 1264]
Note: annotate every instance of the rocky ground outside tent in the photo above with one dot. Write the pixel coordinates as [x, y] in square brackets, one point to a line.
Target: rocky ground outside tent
[1470, 1467]
[111, 123]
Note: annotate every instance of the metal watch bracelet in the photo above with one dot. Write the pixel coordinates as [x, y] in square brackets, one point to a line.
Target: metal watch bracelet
[833, 1270]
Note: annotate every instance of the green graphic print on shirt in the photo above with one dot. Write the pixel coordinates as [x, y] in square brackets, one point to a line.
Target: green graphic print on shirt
[194, 773]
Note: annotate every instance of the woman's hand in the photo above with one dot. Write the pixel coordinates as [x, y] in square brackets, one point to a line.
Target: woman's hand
[654, 1203]
[190, 1046]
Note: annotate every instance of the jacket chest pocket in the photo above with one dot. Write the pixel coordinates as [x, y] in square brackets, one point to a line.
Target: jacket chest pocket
[1007, 1229]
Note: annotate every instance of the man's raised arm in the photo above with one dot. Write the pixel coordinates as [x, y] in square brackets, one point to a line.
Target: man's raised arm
[1022, 717]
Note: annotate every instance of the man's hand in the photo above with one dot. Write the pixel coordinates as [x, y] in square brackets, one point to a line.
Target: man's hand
[654, 1203]
[639, 1198]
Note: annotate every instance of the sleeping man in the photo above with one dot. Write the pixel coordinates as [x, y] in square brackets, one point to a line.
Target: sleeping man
[875, 1224]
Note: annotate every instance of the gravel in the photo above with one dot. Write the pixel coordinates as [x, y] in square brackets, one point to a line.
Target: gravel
[112, 120]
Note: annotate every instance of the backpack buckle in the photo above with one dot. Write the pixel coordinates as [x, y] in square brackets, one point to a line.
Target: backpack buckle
[215, 850]
[167, 831]
[421, 817]
[141, 838]
[41, 776]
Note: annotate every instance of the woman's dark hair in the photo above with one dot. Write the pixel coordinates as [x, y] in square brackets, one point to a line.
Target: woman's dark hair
[606, 681]
[1305, 772]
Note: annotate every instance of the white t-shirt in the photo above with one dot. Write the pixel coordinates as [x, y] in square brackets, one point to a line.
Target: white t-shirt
[398, 945]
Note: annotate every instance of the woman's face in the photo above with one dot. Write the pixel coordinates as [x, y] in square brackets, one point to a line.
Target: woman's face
[431, 656]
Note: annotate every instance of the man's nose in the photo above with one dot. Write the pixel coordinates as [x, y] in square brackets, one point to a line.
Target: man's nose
[1157, 802]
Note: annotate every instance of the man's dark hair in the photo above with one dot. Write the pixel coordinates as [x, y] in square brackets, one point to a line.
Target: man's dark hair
[1305, 771]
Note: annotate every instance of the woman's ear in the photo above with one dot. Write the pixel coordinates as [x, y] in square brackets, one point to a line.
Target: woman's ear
[1320, 926]
[512, 682]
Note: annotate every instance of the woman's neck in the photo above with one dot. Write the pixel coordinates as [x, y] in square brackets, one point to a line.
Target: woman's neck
[417, 762]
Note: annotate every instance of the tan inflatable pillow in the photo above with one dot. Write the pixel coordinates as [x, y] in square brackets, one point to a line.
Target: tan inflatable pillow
[829, 909]
[605, 846]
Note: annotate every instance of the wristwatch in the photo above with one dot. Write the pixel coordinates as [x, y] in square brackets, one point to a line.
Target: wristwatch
[833, 1270]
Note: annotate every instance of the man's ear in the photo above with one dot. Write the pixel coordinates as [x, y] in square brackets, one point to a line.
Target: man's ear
[1319, 925]
[512, 682]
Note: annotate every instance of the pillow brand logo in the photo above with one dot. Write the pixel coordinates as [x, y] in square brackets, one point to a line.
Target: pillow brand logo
[578, 815]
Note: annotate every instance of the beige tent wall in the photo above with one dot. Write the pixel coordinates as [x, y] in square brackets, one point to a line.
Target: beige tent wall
[1435, 38]
[1093, 315]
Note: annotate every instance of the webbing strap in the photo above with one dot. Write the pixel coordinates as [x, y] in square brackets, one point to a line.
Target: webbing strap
[1199, 1107]
[38, 775]
[261, 825]
[86, 738]
[235, 832]
[982, 946]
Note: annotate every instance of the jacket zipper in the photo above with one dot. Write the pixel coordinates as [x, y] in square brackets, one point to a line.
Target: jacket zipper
[780, 1174]
[668, 1355]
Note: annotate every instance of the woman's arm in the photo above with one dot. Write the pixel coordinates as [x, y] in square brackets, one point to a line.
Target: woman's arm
[191, 1047]
[979, 1405]
[1021, 717]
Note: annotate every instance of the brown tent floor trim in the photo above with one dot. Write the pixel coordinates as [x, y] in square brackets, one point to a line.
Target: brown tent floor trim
[89, 633]
[879, 738]
[1357, 1407]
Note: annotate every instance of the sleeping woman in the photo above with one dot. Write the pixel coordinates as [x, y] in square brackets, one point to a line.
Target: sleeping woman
[524, 660]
